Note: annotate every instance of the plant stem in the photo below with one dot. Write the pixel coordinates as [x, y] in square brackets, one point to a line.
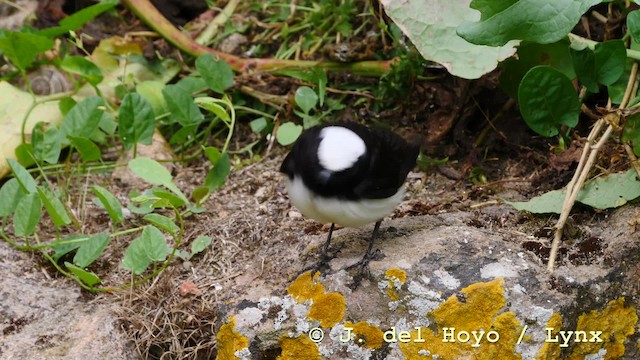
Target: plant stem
[152, 17]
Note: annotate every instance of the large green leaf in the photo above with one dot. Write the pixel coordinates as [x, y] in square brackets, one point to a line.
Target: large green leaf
[83, 119]
[91, 249]
[27, 215]
[548, 100]
[149, 246]
[605, 192]
[109, 202]
[216, 73]
[541, 21]
[22, 48]
[10, 195]
[25, 179]
[181, 105]
[136, 120]
[54, 207]
[85, 276]
[431, 25]
[152, 172]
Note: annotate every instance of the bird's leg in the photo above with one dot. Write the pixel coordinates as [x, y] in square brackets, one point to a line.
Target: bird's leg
[363, 264]
[325, 248]
[323, 263]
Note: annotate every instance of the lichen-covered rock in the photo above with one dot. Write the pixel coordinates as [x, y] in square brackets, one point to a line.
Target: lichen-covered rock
[441, 289]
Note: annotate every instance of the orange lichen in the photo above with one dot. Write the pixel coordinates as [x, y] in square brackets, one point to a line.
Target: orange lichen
[297, 348]
[551, 350]
[394, 275]
[475, 309]
[366, 334]
[306, 287]
[328, 308]
[616, 323]
[230, 341]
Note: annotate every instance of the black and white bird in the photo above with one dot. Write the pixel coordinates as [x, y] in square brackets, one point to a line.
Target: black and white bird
[348, 174]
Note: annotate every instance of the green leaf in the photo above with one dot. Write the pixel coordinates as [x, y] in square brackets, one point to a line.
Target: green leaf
[306, 98]
[79, 18]
[181, 105]
[631, 133]
[10, 194]
[88, 150]
[199, 244]
[66, 104]
[530, 54]
[85, 276]
[633, 24]
[168, 198]
[91, 249]
[610, 59]
[322, 83]
[213, 106]
[489, 8]
[27, 215]
[431, 27]
[604, 65]
[67, 245]
[216, 73]
[22, 48]
[25, 180]
[83, 68]
[288, 133]
[149, 246]
[83, 119]
[163, 223]
[152, 172]
[605, 192]
[152, 92]
[219, 173]
[46, 142]
[258, 125]
[548, 100]
[199, 193]
[136, 121]
[541, 21]
[54, 207]
[110, 203]
[213, 154]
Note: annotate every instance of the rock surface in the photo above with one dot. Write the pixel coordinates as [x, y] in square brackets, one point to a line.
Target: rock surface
[437, 273]
[44, 319]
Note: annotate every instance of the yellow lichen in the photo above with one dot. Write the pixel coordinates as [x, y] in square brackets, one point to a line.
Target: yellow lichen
[398, 274]
[297, 348]
[551, 350]
[476, 309]
[394, 275]
[306, 287]
[616, 323]
[230, 341]
[366, 334]
[328, 308]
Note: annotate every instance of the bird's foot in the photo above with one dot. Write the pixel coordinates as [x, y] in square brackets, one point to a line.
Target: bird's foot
[362, 269]
[322, 265]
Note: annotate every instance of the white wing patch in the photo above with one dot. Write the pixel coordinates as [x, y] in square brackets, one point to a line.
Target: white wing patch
[339, 148]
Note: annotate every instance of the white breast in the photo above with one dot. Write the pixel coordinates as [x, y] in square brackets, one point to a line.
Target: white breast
[339, 148]
[350, 213]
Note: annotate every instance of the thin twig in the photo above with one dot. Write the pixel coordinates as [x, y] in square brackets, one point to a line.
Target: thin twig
[585, 165]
